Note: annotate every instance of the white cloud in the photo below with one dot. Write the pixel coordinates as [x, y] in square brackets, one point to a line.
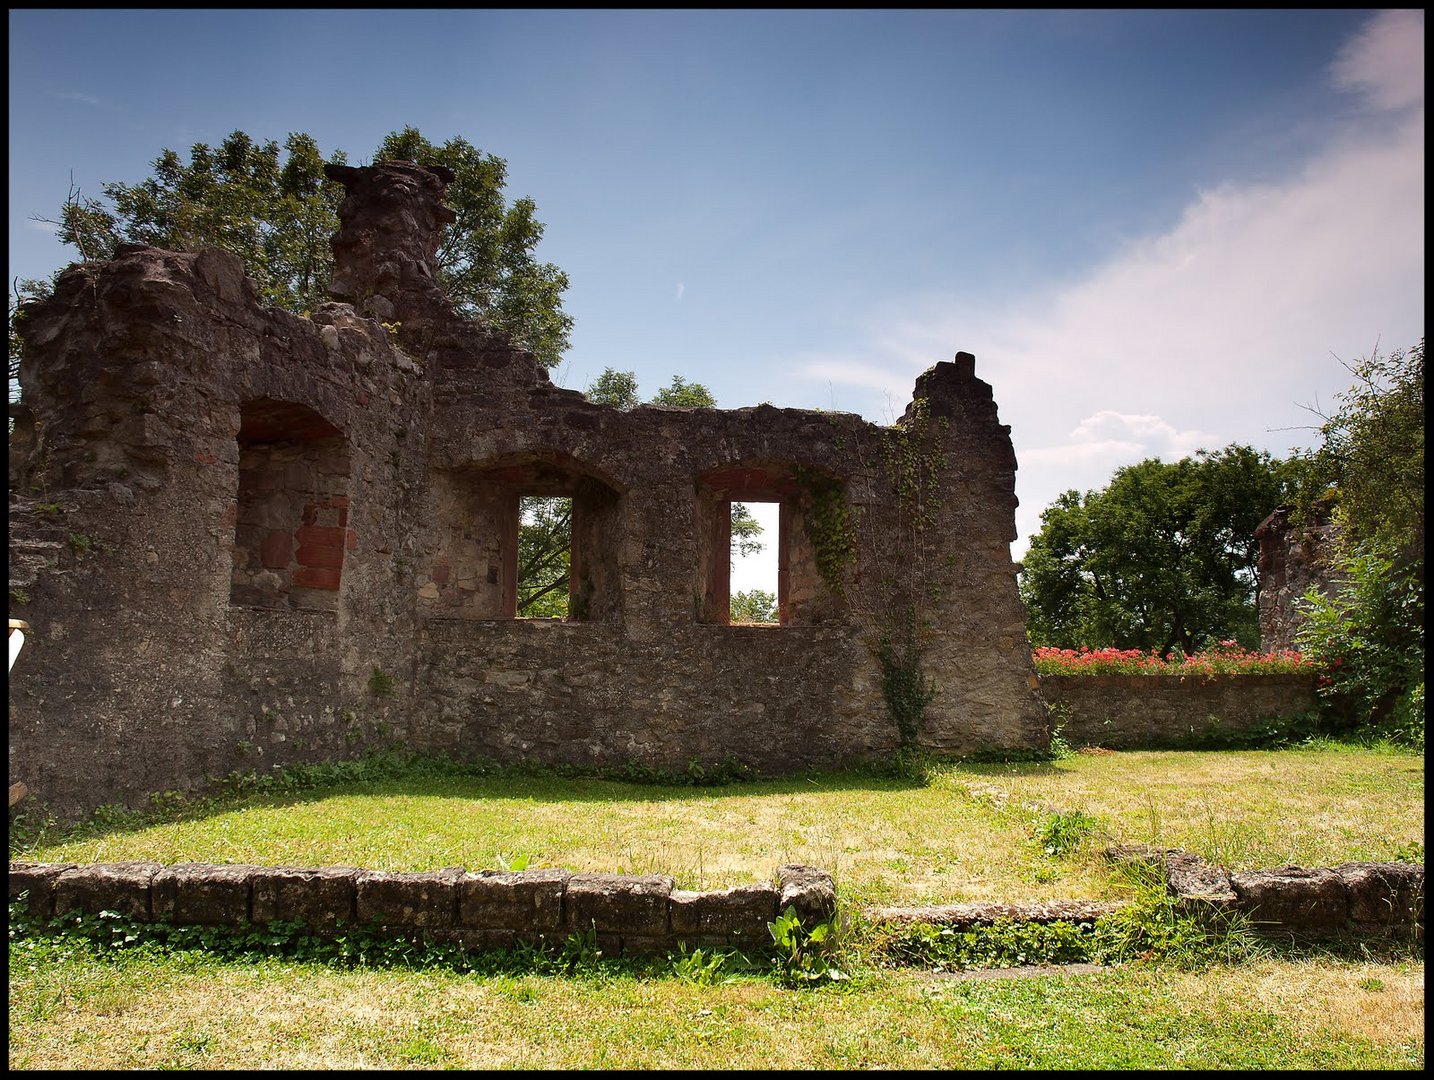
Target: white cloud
[84, 99]
[1385, 61]
[1218, 330]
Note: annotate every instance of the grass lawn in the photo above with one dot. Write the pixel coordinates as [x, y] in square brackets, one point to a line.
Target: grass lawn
[964, 832]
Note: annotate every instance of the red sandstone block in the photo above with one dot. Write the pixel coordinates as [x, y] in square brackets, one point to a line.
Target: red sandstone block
[320, 536]
[311, 515]
[275, 550]
[309, 555]
[343, 516]
[316, 577]
[351, 540]
[439, 575]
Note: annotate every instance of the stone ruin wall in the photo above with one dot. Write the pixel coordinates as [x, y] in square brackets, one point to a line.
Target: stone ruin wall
[1293, 559]
[274, 539]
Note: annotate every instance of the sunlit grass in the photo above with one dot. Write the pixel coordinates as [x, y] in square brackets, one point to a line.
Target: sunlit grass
[138, 1011]
[967, 833]
[1243, 810]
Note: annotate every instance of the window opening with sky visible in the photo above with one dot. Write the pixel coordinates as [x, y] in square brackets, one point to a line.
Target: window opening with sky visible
[753, 597]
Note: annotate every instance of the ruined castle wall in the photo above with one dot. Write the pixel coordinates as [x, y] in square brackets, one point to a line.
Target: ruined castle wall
[1293, 559]
[303, 537]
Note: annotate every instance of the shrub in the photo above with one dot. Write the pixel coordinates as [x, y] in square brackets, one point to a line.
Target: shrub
[1368, 637]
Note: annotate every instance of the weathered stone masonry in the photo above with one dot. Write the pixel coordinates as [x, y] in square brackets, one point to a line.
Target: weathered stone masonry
[252, 538]
[476, 910]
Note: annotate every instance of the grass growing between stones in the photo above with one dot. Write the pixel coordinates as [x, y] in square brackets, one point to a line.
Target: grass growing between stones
[963, 831]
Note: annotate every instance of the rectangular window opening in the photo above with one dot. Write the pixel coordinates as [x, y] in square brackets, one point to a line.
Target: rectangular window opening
[545, 551]
[753, 577]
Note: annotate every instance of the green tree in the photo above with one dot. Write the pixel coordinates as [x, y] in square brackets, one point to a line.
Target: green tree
[1163, 557]
[487, 259]
[687, 395]
[544, 549]
[274, 209]
[1370, 459]
[615, 388]
[277, 211]
[545, 524]
[753, 606]
[1367, 632]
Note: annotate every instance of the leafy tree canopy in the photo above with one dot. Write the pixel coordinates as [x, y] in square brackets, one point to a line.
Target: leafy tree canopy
[683, 393]
[276, 210]
[753, 606]
[1370, 461]
[1164, 556]
[1367, 629]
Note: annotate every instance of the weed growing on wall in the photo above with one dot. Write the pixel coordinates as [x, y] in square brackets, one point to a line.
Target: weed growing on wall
[904, 685]
[1149, 929]
[804, 957]
[380, 683]
[831, 524]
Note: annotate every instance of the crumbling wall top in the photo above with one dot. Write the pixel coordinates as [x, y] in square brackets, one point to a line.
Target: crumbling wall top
[390, 225]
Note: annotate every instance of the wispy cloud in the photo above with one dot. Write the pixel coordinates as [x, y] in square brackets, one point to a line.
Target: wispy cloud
[1215, 331]
[1385, 61]
[681, 288]
[87, 99]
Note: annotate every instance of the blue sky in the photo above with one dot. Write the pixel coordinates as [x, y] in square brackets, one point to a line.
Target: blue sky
[1157, 231]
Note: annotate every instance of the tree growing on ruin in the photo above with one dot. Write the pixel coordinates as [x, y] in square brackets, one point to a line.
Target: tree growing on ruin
[274, 208]
[1164, 556]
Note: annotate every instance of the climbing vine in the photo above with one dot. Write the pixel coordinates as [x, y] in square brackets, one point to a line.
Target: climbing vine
[831, 526]
[905, 687]
[915, 466]
[913, 462]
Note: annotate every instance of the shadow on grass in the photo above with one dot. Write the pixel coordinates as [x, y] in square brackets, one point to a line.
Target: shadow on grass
[418, 776]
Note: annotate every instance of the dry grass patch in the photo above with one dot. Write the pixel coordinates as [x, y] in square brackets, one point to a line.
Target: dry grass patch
[144, 1013]
[1245, 810]
[1383, 1003]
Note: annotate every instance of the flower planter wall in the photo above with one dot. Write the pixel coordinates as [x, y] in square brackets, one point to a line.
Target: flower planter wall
[1130, 712]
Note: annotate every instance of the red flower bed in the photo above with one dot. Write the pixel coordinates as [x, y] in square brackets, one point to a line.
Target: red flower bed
[1227, 658]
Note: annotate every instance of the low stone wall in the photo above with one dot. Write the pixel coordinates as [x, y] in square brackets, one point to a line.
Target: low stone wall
[1354, 900]
[1361, 899]
[487, 909]
[1132, 712]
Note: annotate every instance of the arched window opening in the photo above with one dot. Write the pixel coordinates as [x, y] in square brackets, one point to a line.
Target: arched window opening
[291, 525]
[532, 537]
[802, 597]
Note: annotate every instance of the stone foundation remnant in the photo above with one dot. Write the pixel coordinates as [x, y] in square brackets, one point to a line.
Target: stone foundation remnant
[484, 910]
[246, 539]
